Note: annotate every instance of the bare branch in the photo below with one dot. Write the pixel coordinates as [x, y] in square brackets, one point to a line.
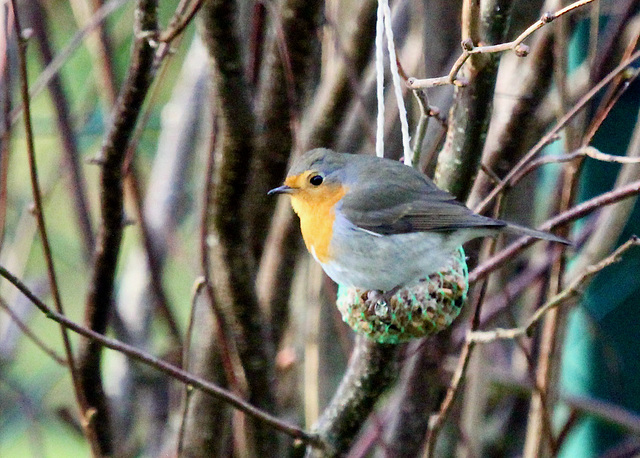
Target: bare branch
[63, 56]
[468, 50]
[164, 367]
[572, 291]
[552, 134]
[32, 335]
[100, 295]
[587, 151]
[90, 427]
[573, 214]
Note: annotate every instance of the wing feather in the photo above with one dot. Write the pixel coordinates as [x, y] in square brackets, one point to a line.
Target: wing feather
[412, 204]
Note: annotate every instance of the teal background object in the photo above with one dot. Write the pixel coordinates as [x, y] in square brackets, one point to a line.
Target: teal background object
[601, 357]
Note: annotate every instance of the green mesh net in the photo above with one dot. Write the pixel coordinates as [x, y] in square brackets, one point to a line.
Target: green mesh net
[414, 311]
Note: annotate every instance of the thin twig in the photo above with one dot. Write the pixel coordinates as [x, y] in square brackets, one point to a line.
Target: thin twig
[5, 137]
[56, 64]
[619, 87]
[42, 230]
[552, 134]
[186, 353]
[32, 335]
[570, 292]
[436, 425]
[587, 151]
[181, 19]
[421, 128]
[468, 49]
[164, 367]
[71, 151]
[573, 214]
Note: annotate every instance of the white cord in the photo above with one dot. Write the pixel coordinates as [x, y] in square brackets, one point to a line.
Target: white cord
[380, 80]
[397, 84]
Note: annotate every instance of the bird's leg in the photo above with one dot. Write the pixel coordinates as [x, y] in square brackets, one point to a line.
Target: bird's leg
[381, 297]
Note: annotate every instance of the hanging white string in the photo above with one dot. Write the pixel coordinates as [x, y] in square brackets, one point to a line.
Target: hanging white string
[380, 80]
[383, 25]
[397, 84]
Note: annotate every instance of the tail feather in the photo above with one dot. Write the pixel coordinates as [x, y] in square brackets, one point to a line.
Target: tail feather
[522, 230]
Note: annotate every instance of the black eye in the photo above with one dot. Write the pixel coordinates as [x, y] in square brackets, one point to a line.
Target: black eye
[316, 180]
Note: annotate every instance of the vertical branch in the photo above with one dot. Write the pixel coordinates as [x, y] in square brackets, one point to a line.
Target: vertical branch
[538, 437]
[513, 137]
[90, 427]
[372, 368]
[99, 48]
[78, 186]
[100, 295]
[471, 111]
[5, 120]
[206, 423]
[335, 92]
[234, 281]
[288, 61]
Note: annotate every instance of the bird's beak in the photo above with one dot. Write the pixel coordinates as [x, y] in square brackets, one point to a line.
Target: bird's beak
[284, 189]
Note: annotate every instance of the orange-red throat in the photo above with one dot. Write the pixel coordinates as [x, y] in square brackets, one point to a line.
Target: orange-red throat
[316, 208]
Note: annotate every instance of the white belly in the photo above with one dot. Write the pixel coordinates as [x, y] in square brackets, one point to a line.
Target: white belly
[381, 262]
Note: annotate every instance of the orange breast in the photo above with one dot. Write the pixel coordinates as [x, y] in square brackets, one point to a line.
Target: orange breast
[317, 214]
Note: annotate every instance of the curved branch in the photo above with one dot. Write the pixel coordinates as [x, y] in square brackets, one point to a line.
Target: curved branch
[288, 60]
[100, 296]
[161, 365]
[471, 110]
[572, 214]
[235, 274]
[372, 368]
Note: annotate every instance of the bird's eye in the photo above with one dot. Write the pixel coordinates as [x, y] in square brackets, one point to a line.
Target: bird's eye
[316, 180]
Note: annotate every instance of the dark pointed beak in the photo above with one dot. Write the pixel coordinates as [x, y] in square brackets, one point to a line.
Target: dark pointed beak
[280, 190]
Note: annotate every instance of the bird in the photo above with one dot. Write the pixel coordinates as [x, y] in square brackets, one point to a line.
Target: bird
[377, 224]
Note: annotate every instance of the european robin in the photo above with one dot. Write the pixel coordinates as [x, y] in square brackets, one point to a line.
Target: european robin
[377, 224]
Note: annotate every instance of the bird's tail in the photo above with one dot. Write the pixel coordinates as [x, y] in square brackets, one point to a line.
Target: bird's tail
[522, 230]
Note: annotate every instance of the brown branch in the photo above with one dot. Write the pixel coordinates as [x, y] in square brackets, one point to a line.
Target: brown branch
[469, 50]
[573, 214]
[611, 413]
[32, 335]
[186, 356]
[100, 295]
[334, 93]
[180, 20]
[153, 258]
[98, 43]
[288, 61]
[222, 328]
[587, 151]
[612, 220]
[471, 110]
[234, 279]
[514, 137]
[573, 290]
[56, 64]
[450, 397]
[71, 151]
[5, 136]
[90, 427]
[164, 367]
[552, 134]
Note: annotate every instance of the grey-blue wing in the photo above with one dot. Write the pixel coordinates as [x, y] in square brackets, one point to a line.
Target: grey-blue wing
[409, 207]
